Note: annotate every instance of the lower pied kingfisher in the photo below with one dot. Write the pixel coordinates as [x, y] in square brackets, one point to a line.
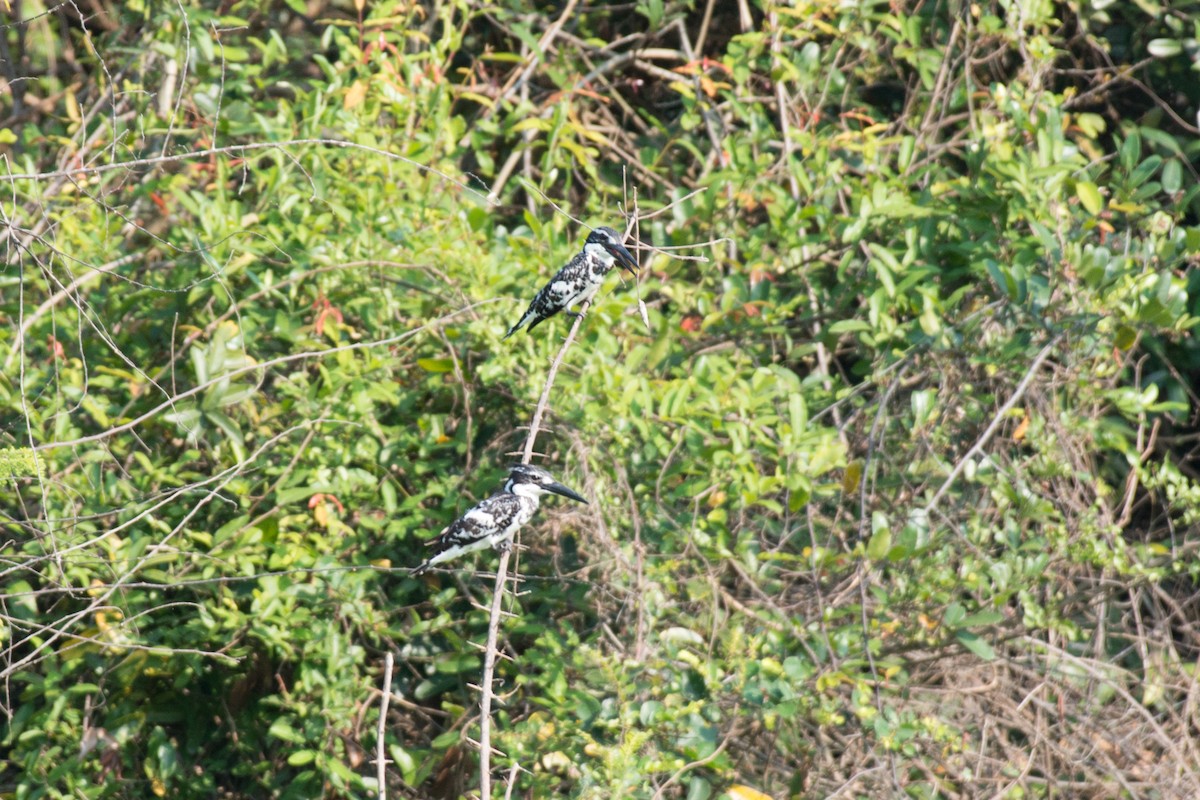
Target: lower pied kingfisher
[579, 279]
[494, 520]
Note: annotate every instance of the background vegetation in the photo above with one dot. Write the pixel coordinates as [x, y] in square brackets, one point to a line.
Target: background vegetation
[896, 495]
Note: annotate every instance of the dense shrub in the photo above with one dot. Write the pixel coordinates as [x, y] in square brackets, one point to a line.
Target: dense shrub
[894, 495]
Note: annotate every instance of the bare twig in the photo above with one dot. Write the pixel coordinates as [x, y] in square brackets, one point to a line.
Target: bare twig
[486, 688]
[700, 762]
[784, 107]
[704, 23]
[380, 747]
[466, 390]
[529, 185]
[986, 436]
[672, 204]
[54, 299]
[543, 402]
[537, 56]
[512, 781]
[489, 655]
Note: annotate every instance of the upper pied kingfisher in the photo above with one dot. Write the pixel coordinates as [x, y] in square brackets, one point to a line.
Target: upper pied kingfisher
[494, 520]
[579, 279]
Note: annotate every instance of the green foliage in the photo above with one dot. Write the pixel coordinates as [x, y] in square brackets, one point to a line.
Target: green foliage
[899, 483]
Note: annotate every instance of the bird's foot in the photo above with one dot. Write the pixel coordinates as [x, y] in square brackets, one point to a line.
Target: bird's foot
[574, 314]
[503, 546]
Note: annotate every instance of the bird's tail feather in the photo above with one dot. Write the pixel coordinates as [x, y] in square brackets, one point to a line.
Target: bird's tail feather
[520, 324]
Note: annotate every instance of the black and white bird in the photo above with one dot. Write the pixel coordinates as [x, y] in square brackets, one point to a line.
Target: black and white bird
[494, 520]
[579, 279]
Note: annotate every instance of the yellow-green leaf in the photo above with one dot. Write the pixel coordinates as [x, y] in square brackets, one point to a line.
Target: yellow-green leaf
[1090, 196]
[436, 364]
[880, 544]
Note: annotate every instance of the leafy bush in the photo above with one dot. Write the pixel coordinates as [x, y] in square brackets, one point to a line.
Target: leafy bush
[895, 493]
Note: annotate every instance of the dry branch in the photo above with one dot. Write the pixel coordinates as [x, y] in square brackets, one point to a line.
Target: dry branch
[489, 656]
[380, 747]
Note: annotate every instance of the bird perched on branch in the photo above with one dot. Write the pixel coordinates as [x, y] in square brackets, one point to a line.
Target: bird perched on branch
[494, 520]
[579, 279]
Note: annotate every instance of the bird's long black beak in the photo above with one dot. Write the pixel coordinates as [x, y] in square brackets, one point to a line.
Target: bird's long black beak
[558, 488]
[622, 256]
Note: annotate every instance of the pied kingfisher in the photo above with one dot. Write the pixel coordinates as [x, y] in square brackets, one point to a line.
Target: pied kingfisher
[579, 279]
[494, 520]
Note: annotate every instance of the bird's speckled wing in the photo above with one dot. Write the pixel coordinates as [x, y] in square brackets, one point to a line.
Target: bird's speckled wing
[561, 292]
[483, 525]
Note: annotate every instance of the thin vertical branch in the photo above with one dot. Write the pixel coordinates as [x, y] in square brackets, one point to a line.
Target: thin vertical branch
[489, 669]
[512, 781]
[380, 749]
[539, 412]
[781, 100]
[490, 651]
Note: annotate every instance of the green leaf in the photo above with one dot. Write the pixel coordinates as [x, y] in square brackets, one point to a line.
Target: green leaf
[1172, 176]
[797, 412]
[653, 11]
[682, 636]
[387, 491]
[698, 788]
[280, 729]
[648, 712]
[1164, 48]
[848, 326]
[881, 537]
[981, 618]
[236, 393]
[83, 688]
[879, 545]
[923, 403]
[457, 664]
[342, 771]
[436, 364]
[1089, 196]
[185, 417]
[1005, 278]
[1130, 150]
[1124, 337]
[404, 760]
[976, 645]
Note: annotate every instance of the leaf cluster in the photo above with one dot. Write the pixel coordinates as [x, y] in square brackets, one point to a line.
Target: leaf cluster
[897, 490]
